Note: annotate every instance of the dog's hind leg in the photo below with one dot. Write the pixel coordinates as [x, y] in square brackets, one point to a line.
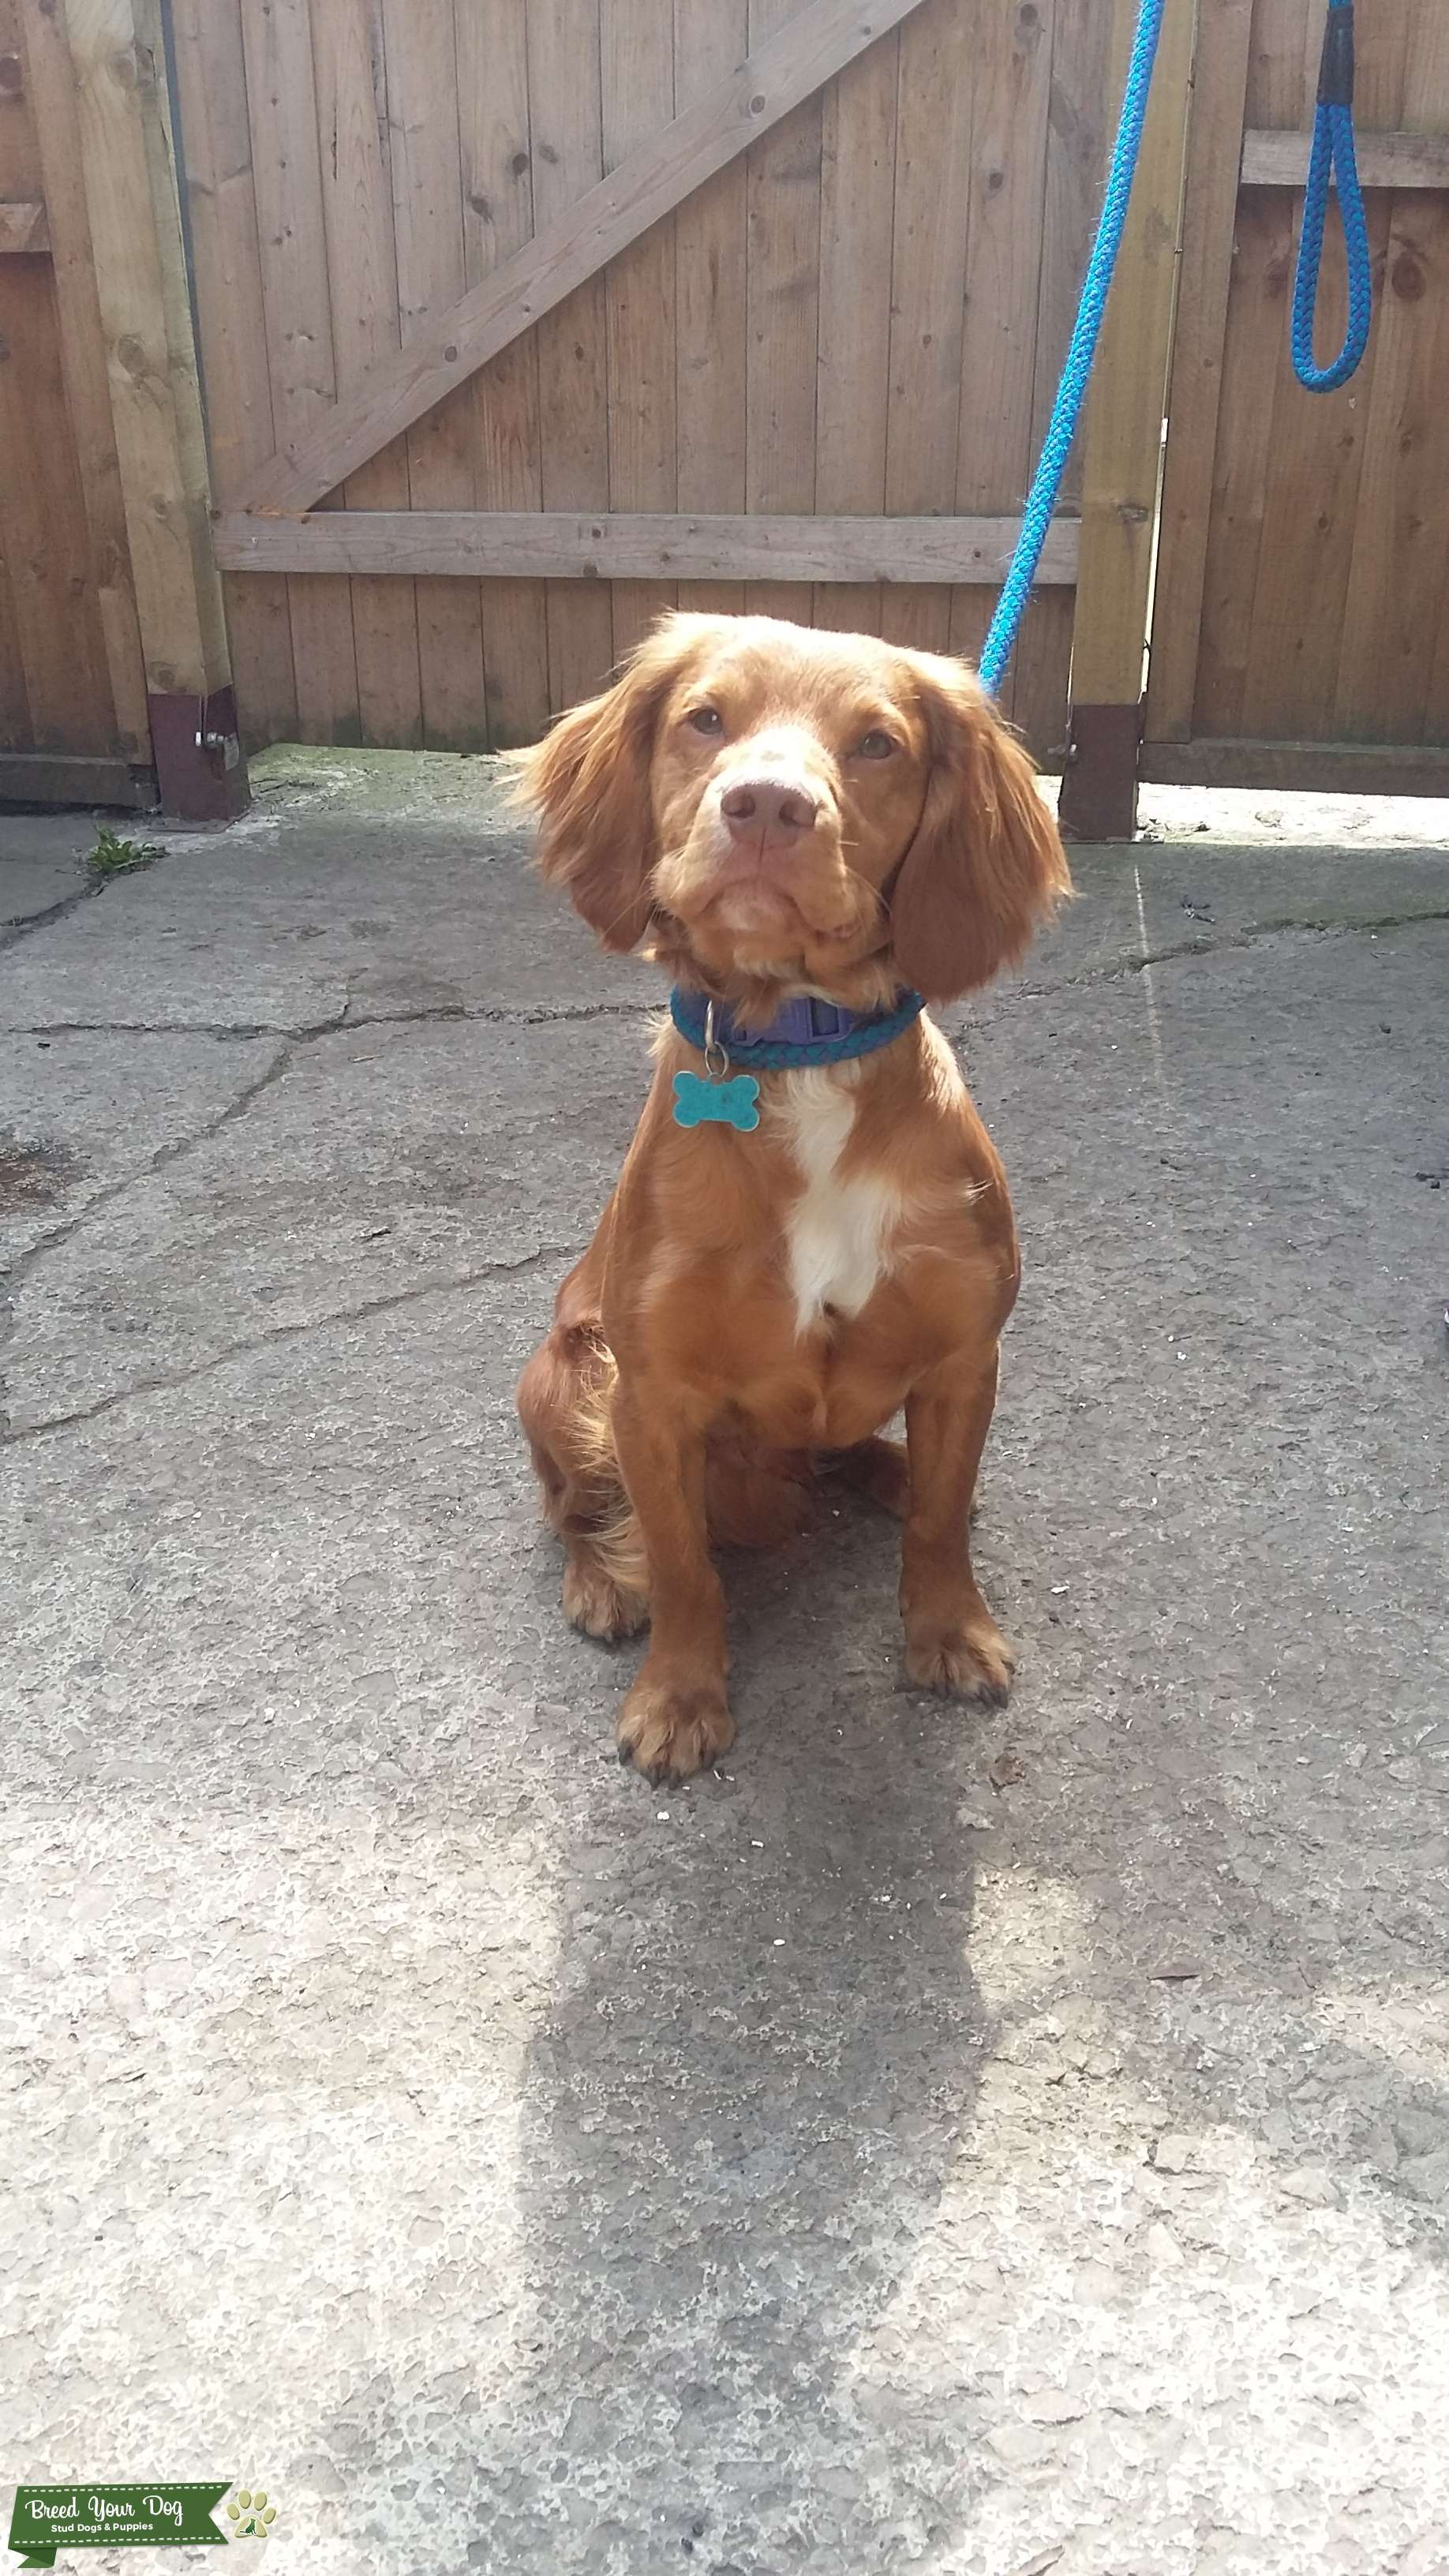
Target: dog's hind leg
[563, 1403]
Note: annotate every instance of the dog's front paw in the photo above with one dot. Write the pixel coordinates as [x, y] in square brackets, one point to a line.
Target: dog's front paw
[672, 1727]
[962, 1657]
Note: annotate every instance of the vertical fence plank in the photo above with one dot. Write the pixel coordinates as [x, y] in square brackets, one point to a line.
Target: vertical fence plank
[1257, 317]
[1210, 203]
[16, 730]
[857, 205]
[1082, 108]
[231, 321]
[1426, 95]
[1400, 560]
[43, 529]
[288, 180]
[710, 38]
[427, 195]
[1318, 447]
[573, 373]
[1312, 469]
[497, 221]
[1010, 129]
[347, 46]
[1122, 453]
[636, 65]
[63, 687]
[50, 88]
[928, 289]
[783, 213]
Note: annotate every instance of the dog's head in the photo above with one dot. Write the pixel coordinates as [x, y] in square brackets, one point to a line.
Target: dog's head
[777, 805]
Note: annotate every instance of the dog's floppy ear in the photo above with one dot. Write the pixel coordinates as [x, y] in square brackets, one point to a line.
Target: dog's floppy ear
[588, 783]
[986, 867]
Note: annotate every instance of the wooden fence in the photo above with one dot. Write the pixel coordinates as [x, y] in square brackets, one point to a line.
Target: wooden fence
[850, 313]
[1301, 631]
[519, 319]
[73, 720]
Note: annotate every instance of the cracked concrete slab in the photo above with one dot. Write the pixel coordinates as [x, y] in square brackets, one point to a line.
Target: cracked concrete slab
[363, 1170]
[955, 2143]
[81, 1115]
[275, 926]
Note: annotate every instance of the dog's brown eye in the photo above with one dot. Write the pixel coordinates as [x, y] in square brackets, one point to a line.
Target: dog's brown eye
[875, 745]
[705, 719]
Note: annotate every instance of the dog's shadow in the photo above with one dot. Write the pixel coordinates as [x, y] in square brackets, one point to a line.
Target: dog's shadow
[758, 2063]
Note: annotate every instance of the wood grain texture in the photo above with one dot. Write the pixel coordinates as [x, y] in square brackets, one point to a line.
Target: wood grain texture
[350, 72]
[1009, 153]
[1210, 198]
[1278, 84]
[636, 83]
[216, 150]
[599, 223]
[564, 82]
[639, 546]
[296, 300]
[493, 132]
[1426, 99]
[938, 56]
[1082, 107]
[1394, 613]
[125, 152]
[711, 38]
[1317, 452]
[783, 219]
[857, 214]
[427, 203]
[1257, 326]
[1122, 425]
[69, 778]
[50, 90]
[1322, 768]
[1398, 547]
[16, 734]
[44, 534]
[1398, 160]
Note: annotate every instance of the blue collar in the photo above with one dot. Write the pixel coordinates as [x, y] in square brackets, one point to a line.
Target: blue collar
[803, 1032]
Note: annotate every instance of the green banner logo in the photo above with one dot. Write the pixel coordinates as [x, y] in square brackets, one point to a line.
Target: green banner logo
[159, 2514]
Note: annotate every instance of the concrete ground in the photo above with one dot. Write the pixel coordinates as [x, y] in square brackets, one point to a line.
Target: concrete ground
[977, 2144]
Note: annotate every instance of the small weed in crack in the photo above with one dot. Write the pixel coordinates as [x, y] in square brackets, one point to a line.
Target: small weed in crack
[115, 857]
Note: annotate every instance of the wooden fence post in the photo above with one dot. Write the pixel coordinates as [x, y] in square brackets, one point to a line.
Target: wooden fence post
[128, 159]
[1122, 463]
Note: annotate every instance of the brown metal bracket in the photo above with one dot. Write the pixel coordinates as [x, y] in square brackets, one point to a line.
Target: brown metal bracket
[200, 769]
[1099, 783]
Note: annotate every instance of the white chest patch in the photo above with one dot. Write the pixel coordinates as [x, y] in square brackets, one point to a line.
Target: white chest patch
[838, 1232]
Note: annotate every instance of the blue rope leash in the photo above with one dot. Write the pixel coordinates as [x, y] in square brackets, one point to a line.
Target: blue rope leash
[1042, 499]
[1333, 154]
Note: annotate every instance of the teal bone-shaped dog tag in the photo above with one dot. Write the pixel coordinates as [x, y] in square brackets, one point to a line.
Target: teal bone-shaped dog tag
[723, 1104]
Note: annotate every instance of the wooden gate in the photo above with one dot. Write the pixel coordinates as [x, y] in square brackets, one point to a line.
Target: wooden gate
[73, 720]
[114, 676]
[1301, 633]
[520, 319]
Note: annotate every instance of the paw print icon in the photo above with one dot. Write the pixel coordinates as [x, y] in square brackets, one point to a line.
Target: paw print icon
[251, 2514]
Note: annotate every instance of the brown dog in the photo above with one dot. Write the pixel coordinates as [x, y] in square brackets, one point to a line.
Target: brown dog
[781, 814]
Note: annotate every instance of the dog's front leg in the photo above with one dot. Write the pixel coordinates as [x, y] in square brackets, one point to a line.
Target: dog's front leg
[953, 1644]
[676, 1718]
